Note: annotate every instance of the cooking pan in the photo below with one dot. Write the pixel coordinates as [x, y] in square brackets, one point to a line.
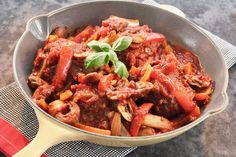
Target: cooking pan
[177, 29]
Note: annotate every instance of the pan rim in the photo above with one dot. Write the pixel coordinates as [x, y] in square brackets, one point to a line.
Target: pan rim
[122, 138]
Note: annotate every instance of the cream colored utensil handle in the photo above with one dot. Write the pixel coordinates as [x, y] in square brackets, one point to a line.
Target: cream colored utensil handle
[48, 135]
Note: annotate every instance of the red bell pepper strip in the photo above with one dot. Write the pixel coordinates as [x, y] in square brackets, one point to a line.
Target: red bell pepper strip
[139, 115]
[185, 102]
[182, 98]
[63, 66]
[154, 37]
[195, 113]
[84, 35]
[163, 79]
[170, 66]
[104, 31]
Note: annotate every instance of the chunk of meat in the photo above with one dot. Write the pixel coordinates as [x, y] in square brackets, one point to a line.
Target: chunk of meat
[105, 82]
[198, 81]
[76, 68]
[58, 44]
[95, 115]
[112, 18]
[92, 77]
[39, 63]
[125, 89]
[48, 73]
[115, 23]
[35, 81]
[66, 112]
[168, 108]
[139, 56]
[138, 33]
[61, 32]
[54, 49]
[71, 115]
[43, 92]
[85, 94]
[81, 51]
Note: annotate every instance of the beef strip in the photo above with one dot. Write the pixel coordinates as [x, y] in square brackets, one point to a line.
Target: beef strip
[125, 89]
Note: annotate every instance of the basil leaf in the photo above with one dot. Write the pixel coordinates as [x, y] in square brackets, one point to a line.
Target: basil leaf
[107, 53]
[121, 69]
[104, 46]
[122, 43]
[97, 59]
[95, 45]
[113, 56]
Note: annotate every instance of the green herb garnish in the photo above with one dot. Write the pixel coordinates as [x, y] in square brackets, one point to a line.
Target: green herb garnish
[105, 53]
[122, 43]
[121, 69]
[97, 59]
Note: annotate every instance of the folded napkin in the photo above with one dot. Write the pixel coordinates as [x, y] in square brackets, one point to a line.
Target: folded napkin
[227, 49]
[15, 109]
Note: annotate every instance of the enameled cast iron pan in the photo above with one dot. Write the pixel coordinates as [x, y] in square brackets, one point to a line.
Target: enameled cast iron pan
[177, 29]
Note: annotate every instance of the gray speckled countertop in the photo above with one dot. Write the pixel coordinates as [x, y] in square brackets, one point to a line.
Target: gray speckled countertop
[215, 137]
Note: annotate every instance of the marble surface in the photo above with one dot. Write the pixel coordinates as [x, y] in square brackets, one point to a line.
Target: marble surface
[215, 137]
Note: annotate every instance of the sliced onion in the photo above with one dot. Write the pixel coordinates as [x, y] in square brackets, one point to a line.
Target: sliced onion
[116, 124]
[124, 131]
[126, 111]
[157, 122]
[150, 120]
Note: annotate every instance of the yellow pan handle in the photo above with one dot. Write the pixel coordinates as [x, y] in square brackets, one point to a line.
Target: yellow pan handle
[48, 135]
